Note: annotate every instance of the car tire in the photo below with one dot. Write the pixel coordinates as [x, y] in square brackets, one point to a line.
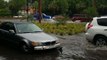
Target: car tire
[100, 41]
[25, 48]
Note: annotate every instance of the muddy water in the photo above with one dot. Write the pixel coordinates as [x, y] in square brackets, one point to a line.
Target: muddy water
[74, 48]
[95, 52]
[9, 53]
[97, 55]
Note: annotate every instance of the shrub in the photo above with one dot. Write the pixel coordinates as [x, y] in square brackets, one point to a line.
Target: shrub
[5, 12]
[62, 29]
[91, 11]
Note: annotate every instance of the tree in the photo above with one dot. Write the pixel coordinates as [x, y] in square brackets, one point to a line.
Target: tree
[35, 4]
[101, 7]
[4, 10]
[45, 4]
[72, 7]
[91, 11]
[16, 5]
[2, 4]
[58, 7]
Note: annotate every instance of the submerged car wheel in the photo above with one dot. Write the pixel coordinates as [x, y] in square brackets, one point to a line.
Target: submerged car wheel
[100, 41]
[25, 48]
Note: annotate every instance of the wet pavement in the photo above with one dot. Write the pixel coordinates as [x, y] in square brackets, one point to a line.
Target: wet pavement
[74, 48]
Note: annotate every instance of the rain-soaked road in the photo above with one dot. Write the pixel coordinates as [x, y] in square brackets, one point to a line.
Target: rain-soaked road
[74, 48]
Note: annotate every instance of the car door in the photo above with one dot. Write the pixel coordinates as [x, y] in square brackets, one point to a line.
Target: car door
[102, 26]
[8, 35]
[3, 31]
[3, 34]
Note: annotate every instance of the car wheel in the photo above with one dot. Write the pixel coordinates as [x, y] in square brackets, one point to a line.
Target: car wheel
[100, 41]
[25, 48]
[60, 49]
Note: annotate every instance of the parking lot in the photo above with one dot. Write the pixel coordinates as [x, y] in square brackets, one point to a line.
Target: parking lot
[75, 47]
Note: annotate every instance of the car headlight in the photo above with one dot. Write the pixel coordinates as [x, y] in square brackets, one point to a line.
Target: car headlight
[35, 43]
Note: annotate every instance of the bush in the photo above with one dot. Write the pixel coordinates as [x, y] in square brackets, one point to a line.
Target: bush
[91, 11]
[66, 29]
[5, 12]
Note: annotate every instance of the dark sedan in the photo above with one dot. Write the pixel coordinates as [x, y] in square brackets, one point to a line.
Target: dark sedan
[27, 36]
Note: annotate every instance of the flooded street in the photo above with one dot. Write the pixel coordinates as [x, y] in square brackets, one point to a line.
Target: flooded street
[74, 48]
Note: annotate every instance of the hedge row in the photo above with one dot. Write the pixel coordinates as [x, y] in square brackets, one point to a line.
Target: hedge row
[62, 29]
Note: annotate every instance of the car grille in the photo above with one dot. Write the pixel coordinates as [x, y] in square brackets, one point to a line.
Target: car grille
[49, 43]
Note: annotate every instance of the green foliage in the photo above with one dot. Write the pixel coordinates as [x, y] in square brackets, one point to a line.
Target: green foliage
[80, 5]
[16, 5]
[74, 6]
[91, 11]
[5, 12]
[101, 3]
[102, 7]
[61, 21]
[66, 29]
[45, 4]
[2, 4]
[59, 7]
[35, 4]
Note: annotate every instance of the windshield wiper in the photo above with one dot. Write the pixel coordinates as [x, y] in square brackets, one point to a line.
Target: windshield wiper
[31, 32]
[37, 31]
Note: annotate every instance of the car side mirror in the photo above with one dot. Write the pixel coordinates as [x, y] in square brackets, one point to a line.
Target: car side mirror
[12, 31]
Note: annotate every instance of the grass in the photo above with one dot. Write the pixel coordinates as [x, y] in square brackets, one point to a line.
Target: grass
[62, 29]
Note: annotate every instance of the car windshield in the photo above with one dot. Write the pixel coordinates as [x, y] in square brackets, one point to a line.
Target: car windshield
[27, 28]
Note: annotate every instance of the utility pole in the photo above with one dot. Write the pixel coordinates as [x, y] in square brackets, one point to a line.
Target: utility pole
[27, 9]
[94, 3]
[40, 10]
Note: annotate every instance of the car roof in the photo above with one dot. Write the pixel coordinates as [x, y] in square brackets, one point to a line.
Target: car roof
[14, 22]
[103, 17]
[100, 17]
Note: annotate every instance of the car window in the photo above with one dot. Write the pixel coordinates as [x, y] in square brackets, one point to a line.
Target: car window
[27, 27]
[102, 22]
[7, 26]
[3, 26]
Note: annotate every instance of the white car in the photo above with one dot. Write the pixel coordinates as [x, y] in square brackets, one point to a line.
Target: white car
[96, 30]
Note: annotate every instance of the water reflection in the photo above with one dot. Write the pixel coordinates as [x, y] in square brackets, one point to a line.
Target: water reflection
[8, 53]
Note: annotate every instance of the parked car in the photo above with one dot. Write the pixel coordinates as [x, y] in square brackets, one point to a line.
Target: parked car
[27, 36]
[44, 16]
[49, 21]
[81, 18]
[96, 31]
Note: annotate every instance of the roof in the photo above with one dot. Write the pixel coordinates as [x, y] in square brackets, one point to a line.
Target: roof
[103, 17]
[15, 22]
[100, 17]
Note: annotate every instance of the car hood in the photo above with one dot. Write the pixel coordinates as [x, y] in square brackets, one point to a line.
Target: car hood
[38, 37]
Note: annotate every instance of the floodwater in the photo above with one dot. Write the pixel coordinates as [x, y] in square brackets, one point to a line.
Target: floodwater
[74, 48]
